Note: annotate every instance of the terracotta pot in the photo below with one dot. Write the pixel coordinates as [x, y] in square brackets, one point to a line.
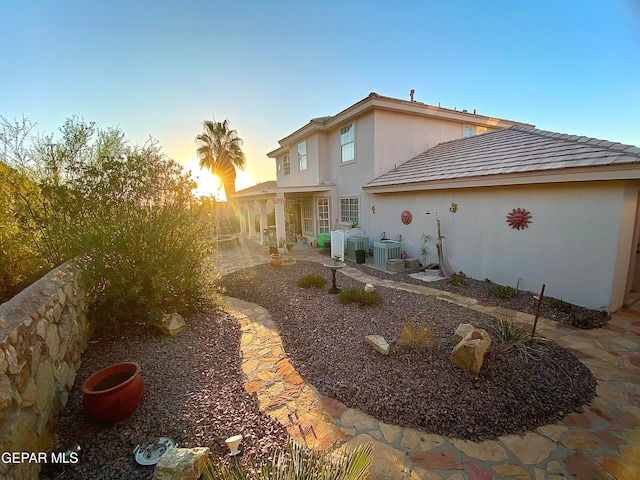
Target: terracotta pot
[113, 393]
[276, 261]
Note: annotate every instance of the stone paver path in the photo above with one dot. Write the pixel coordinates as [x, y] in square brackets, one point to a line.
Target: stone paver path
[601, 442]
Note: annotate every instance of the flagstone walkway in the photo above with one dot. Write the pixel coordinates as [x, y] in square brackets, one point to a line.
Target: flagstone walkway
[601, 442]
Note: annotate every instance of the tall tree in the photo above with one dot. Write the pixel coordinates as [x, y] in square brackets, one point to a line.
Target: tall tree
[220, 150]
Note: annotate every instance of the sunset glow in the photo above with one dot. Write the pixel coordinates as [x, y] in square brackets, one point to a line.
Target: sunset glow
[208, 184]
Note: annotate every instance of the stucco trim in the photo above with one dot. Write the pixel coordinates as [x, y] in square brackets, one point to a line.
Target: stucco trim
[622, 172]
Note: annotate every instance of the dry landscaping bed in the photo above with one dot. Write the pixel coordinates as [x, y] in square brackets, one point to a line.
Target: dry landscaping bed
[421, 389]
[522, 301]
[194, 394]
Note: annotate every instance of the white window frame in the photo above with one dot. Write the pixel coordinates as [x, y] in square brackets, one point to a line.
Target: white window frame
[286, 165]
[323, 213]
[467, 131]
[348, 141]
[349, 210]
[302, 157]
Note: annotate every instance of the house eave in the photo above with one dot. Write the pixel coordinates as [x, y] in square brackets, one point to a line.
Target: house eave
[630, 172]
[379, 102]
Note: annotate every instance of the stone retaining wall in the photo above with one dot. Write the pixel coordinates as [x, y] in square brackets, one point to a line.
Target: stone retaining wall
[43, 332]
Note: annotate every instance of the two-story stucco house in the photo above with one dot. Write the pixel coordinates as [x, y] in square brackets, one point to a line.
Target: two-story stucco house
[322, 166]
[520, 206]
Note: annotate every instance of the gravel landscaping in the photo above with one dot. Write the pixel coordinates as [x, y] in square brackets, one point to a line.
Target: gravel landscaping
[522, 301]
[194, 394]
[412, 388]
[194, 389]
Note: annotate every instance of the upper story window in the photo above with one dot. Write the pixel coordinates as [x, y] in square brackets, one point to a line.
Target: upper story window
[349, 211]
[302, 156]
[286, 165]
[347, 150]
[468, 132]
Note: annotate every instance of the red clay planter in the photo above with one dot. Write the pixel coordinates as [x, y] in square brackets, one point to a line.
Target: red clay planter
[113, 393]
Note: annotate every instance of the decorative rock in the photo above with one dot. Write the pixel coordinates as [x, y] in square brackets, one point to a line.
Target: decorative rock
[470, 353]
[172, 324]
[368, 287]
[181, 464]
[378, 343]
[462, 331]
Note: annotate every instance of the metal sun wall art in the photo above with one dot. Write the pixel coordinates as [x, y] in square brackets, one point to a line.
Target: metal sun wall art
[519, 218]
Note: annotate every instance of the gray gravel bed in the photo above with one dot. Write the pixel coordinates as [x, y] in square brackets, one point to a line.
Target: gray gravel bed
[411, 388]
[522, 301]
[194, 394]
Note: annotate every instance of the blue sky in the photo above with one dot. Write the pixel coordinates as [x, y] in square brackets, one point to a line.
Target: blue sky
[160, 68]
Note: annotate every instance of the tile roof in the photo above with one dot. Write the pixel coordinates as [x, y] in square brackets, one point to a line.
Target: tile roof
[515, 150]
[258, 188]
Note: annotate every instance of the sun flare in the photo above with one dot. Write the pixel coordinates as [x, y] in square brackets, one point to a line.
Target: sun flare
[208, 184]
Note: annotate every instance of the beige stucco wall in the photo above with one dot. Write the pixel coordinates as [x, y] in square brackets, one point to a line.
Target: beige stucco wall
[400, 137]
[574, 244]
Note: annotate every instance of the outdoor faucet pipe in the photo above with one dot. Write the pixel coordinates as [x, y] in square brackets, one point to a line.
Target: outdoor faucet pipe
[439, 245]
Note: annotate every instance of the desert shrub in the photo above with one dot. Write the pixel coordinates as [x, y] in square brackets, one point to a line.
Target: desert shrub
[458, 279]
[414, 334]
[516, 339]
[300, 462]
[427, 303]
[560, 305]
[579, 321]
[125, 213]
[359, 295]
[157, 264]
[312, 280]
[503, 291]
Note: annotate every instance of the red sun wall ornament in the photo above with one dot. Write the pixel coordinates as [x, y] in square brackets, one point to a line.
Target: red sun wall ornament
[519, 219]
[406, 217]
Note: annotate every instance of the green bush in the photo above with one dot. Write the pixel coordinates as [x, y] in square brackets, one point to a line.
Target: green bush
[579, 321]
[300, 463]
[516, 339]
[458, 279]
[156, 264]
[414, 335]
[503, 291]
[358, 295]
[312, 280]
[124, 213]
[560, 305]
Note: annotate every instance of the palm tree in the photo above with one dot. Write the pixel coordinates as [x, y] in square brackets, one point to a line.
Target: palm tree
[220, 150]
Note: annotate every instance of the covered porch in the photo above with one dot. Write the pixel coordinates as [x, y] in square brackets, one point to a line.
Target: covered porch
[272, 214]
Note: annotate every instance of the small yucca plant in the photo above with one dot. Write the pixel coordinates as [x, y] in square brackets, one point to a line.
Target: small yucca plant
[516, 339]
[302, 463]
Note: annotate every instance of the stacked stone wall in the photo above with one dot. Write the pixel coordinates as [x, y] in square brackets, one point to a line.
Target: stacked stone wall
[43, 332]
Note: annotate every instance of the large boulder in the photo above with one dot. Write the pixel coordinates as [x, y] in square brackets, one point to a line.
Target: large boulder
[181, 464]
[471, 350]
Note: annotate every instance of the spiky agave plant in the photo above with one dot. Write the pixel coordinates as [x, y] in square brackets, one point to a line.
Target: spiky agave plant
[300, 462]
[516, 339]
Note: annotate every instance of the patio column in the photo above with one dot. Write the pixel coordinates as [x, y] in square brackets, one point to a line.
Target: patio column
[251, 218]
[281, 229]
[264, 237]
[243, 219]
